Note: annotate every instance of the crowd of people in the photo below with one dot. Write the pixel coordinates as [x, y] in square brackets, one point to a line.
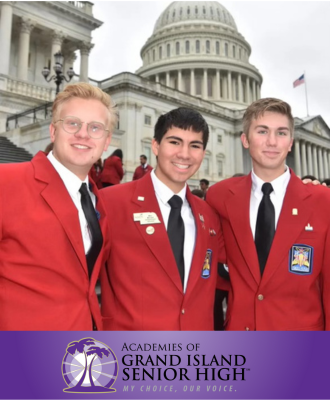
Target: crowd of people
[166, 258]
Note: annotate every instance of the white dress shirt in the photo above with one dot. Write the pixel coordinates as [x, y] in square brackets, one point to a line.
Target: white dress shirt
[163, 195]
[277, 196]
[73, 184]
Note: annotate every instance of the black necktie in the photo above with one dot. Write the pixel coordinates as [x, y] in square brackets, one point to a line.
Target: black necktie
[265, 226]
[175, 231]
[94, 228]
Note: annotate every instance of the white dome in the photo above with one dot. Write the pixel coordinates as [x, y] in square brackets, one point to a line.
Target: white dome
[191, 11]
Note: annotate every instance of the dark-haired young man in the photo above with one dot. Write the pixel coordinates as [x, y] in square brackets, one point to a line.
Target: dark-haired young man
[277, 232]
[162, 269]
[142, 169]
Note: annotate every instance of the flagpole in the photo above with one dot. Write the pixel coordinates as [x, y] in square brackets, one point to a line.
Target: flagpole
[306, 93]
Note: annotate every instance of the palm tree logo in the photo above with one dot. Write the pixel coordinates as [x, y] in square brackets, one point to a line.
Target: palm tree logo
[89, 366]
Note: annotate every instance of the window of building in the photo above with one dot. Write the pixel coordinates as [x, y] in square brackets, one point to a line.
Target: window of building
[198, 85]
[187, 84]
[180, 11]
[208, 46]
[219, 138]
[147, 119]
[198, 46]
[160, 52]
[217, 47]
[177, 48]
[209, 86]
[153, 55]
[204, 10]
[211, 11]
[234, 51]
[146, 149]
[206, 165]
[196, 10]
[188, 10]
[220, 168]
[240, 53]
[226, 49]
[187, 47]
[168, 50]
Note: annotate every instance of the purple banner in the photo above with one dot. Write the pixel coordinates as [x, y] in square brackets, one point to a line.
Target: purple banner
[165, 365]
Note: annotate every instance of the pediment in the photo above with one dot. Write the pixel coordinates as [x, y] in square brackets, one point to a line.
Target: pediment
[315, 125]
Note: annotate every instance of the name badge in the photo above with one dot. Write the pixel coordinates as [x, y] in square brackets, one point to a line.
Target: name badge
[146, 218]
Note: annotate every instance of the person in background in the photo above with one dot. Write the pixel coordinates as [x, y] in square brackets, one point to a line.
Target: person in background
[142, 169]
[197, 192]
[204, 185]
[113, 171]
[53, 232]
[95, 173]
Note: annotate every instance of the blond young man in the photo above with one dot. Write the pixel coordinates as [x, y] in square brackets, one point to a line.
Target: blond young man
[52, 224]
[276, 231]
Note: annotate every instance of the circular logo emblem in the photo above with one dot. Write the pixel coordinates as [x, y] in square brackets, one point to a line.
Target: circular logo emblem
[89, 366]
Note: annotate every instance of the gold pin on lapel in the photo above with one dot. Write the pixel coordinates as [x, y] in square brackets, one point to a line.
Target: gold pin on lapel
[150, 230]
[295, 211]
[308, 227]
[140, 198]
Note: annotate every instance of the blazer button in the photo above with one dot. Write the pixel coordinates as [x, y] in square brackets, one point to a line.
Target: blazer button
[182, 311]
[260, 297]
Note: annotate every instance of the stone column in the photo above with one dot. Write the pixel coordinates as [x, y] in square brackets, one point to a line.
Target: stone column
[6, 19]
[230, 86]
[240, 89]
[217, 85]
[254, 96]
[57, 40]
[247, 94]
[167, 78]
[309, 160]
[303, 159]
[204, 89]
[192, 82]
[315, 167]
[85, 49]
[297, 169]
[24, 47]
[320, 159]
[180, 80]
[325, 163]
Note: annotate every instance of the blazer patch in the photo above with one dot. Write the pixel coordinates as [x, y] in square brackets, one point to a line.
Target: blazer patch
[206, 271]
[301, 259]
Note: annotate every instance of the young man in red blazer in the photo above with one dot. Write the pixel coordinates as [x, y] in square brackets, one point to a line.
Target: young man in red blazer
[276, 230]
[142, 169]
[50, 256]
[156, 278]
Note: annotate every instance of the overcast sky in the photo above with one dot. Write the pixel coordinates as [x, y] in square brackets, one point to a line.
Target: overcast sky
[287, 38]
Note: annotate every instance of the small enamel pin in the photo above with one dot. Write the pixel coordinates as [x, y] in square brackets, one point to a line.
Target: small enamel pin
[140, 198]
[212, 232]
[308, 227]
[295, 211]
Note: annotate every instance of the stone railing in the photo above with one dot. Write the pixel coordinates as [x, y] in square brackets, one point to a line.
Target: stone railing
[29, 89]
[84, 6]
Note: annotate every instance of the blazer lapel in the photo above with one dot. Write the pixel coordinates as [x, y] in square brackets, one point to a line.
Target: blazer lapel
[289, 226]
[200, 245]
[59, 200]
[238, 208]
[157, 241]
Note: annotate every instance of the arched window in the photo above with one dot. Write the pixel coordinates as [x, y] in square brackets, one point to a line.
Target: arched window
[208, 47]
[153, 55]
[168, 50]
[188, 10]
[196, 10]
[198, 46]
[187, 47]
[160, 52]
[177, 48]
[226, 49]
[217, 48]
[204, 10]
[234, 51]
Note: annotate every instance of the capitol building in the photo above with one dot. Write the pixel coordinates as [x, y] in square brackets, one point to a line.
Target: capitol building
[195, 57]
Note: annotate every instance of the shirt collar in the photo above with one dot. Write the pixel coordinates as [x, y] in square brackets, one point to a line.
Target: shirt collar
[70, 180]
[163, 192]
[279, 184]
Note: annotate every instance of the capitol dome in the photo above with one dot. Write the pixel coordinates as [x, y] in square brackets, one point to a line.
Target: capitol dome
[196, 48]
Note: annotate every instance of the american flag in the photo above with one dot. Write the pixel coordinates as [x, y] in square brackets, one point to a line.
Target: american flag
[299, 81]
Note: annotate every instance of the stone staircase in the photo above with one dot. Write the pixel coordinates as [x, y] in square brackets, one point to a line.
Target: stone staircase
[10, 153]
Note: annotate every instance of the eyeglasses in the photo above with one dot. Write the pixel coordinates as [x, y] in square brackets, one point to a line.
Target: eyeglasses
[95, 130]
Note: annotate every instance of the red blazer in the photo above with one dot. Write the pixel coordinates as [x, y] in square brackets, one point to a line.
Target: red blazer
[112, 170]
[281, 299]
[141, 286]
[140, 172]
[44, 282]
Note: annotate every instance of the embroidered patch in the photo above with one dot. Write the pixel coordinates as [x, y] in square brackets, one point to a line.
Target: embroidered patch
[301, 259]
[206, 271]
